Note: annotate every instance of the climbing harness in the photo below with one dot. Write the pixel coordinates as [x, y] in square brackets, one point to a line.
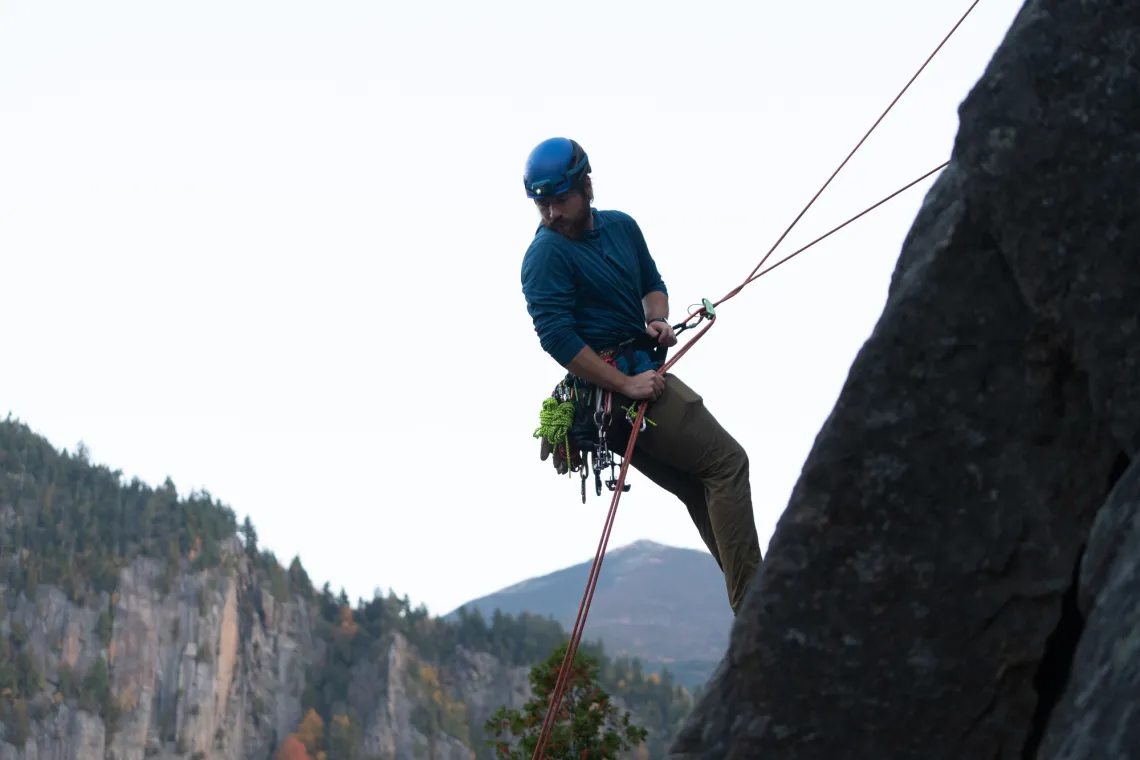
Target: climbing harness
[577, 416]
[706, 312]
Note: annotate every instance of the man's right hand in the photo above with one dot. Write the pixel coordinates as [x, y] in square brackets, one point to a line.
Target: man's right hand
[645, 385]
[588, 365]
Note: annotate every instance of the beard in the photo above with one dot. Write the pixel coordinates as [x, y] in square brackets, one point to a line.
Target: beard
[571, 227]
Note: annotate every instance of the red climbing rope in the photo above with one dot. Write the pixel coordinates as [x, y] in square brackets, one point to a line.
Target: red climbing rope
[837, 228]
[702, 313]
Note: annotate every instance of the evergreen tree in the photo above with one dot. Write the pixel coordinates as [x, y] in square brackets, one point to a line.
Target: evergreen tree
[249, 536]
[587, 725]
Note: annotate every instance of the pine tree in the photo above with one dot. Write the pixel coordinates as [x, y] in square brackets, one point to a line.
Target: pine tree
[587, 725]
[249, 536]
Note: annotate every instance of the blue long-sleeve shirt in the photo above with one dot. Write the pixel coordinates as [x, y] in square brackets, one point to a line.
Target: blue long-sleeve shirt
[589, 291]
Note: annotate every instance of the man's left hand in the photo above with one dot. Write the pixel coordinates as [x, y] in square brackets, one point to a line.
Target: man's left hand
[546, 448]
[663, 332]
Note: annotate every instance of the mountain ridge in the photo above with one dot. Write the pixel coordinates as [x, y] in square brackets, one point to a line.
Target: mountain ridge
[664, 604]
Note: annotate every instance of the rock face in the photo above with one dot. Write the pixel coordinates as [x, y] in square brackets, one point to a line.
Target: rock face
[479, 684]
[213, 667]
[924, 595]
[67, 735]
[1095, 719]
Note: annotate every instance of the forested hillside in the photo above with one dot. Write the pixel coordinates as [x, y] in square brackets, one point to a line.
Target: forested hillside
[123, 601]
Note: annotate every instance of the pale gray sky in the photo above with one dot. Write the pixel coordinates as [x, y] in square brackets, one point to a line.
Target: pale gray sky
[272, 248]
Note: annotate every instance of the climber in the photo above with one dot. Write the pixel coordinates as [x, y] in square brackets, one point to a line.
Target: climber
[600, 309]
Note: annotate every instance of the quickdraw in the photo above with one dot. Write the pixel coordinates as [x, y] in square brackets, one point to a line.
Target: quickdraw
[603, 456]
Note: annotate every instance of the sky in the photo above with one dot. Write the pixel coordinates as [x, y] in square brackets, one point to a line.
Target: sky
[272, 249]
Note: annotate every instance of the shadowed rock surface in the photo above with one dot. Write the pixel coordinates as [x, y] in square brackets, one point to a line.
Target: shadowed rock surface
[919, 597]
[1097, 716]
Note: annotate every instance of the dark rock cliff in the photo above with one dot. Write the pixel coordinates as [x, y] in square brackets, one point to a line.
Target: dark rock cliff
[924, 595]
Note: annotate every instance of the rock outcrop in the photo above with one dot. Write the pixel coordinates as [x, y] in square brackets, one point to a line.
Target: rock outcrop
[213, 666]
[1096, 716]
[924, 595]
[477, 687]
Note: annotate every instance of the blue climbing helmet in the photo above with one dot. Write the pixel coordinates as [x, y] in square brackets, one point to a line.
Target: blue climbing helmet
[555, 166]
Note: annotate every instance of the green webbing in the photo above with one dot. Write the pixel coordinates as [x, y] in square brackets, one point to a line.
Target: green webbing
[631, 410]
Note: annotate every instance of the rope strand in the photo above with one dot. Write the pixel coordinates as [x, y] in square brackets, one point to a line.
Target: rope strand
[859, 144]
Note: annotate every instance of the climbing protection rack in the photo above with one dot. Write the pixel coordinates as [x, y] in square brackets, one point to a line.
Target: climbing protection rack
[707, 312]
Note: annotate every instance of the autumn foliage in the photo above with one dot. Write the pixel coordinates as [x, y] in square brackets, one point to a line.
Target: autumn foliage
[311, 732]
[306, 742]
[291, 749]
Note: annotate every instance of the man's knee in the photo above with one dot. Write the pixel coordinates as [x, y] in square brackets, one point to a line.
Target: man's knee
[732, 461]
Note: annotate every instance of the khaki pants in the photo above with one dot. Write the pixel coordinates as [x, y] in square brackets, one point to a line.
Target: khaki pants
[690, 455]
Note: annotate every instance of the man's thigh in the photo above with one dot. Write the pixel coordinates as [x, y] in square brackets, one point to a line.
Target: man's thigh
[684, 434]
[687, 487]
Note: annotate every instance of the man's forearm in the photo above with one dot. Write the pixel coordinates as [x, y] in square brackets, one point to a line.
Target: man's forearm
[592, 368]
[656, 304]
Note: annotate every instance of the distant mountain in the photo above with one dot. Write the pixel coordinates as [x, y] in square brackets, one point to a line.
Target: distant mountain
[663, 604]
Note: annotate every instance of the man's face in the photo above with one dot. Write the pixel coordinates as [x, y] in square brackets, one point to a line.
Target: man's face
[568, 213]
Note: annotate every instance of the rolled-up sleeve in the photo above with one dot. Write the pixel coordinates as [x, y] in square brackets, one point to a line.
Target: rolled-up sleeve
[548, 285]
